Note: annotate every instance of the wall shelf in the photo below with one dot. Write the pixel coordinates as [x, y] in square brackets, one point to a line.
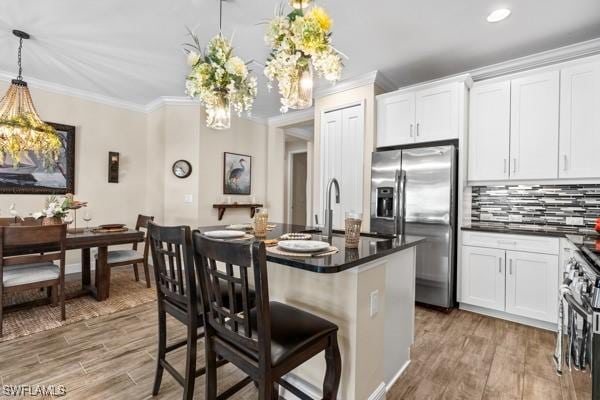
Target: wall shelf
[223, 207]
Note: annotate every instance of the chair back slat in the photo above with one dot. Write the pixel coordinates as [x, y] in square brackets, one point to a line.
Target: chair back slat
[231, 319]
[142, 224]
[173, 261]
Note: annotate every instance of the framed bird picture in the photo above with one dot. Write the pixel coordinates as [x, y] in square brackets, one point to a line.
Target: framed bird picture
[237, 174]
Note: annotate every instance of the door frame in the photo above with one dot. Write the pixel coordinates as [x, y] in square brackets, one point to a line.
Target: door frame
[290, 174]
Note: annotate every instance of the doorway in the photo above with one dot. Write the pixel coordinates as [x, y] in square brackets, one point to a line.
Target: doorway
[298, 176]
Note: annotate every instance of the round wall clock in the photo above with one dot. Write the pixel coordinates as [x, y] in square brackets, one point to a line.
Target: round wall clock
[182, 169]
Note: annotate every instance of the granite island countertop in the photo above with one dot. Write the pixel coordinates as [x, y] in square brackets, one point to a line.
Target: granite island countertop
[371, 247]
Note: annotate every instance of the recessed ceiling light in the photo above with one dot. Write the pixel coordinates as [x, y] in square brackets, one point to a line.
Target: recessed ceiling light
[498, 15]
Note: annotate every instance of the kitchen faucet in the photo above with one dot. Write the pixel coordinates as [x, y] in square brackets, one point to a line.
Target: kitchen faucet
[328, 228]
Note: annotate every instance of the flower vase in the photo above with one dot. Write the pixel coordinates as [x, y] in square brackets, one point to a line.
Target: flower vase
[218, 114]
[302, 87]
[52, 221]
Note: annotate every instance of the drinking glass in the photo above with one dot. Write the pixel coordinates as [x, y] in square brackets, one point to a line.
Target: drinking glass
[87, 217]
[353, 222]
[260, 222]
[68, 219]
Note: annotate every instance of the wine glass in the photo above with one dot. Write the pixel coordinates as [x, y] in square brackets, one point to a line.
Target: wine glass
[68, 219]
[87, 217]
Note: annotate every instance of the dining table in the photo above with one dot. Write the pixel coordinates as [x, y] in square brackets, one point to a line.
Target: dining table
[85, 241]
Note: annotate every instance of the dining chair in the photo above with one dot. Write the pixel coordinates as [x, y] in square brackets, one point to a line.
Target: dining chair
[33, 271]
[27, 221]
[265, 342]
[177, 295]
[117, 258]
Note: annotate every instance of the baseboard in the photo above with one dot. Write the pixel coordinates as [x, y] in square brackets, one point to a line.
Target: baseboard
[509, 317]
[316, 393]
[379, 393]
[397, 376]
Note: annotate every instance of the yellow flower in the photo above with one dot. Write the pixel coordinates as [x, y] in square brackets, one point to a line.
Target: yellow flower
[322, 18]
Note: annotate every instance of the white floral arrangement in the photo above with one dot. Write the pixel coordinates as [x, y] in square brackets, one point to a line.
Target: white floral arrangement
[217, 74]
[55, 208]
[296, 40]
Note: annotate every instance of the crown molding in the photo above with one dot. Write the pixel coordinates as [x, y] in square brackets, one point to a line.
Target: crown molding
[537, 60]
[72, 92]
[370, 78]
[291, 118]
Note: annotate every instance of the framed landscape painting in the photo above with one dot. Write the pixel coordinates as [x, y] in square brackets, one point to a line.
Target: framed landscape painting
[30, 176]
[237, 174]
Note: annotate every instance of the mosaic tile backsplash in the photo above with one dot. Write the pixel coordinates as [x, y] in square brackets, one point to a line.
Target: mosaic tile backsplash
[550, 207]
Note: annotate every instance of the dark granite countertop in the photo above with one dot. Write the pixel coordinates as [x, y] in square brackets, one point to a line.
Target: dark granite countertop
[520, 229]
[370, 248]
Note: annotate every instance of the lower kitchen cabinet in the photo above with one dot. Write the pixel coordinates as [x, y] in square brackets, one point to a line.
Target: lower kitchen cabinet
[532, 285]
[483, 277]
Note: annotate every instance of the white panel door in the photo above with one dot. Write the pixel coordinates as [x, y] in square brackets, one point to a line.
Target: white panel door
[331, 156]
[351, 174]
[396, 119]
[532, 285]
[580, 122]
[483, 277]
[534, 126]
[489, 132]
[437, 113]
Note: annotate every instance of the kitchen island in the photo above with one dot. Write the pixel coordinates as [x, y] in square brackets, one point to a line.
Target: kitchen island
[369, 292]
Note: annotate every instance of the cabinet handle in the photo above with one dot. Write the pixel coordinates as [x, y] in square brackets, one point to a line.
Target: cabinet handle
[513, 242]
[514, 165]
[418, 129]
[411, 130]
[565, 162]
[510, 267]
[500, 265]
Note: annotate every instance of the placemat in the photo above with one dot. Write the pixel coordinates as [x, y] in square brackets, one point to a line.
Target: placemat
[280, 252]
[245, 237]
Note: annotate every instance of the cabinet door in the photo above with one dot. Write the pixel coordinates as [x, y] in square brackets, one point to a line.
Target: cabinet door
[351, 174]
[395, 119]
[534, 126]
[532, 285]
[437, 113]
[580, 121]
[483, 277]
[331, 157]
[489, 132]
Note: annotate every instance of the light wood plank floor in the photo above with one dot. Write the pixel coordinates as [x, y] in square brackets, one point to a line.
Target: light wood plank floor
[459, 355]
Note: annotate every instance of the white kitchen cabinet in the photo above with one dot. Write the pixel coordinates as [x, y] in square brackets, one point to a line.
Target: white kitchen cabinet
[420, 114]
[580, 121]
[532, 285]
[437, 113]
[396, 119]
[341, 157]
[534, 126]
[483, 277]
[489, 132]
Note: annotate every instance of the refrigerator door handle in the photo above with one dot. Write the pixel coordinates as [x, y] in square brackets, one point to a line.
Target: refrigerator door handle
[400, 203]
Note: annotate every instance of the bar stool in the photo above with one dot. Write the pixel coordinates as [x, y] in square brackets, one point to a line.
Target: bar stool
[265, 342]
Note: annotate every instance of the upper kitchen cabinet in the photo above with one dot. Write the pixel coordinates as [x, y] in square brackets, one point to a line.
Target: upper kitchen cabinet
[580, 121]
[534, 126]
[489, 127]
[396, 119]
[425, 113]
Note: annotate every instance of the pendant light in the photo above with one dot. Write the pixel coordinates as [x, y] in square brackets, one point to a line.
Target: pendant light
[219, 115]
[21, 129]
[300, 4]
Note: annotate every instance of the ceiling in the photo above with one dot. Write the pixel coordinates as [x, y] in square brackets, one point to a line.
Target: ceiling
[132, 50]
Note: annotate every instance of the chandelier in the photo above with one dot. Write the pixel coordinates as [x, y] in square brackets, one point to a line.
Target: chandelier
[219, 79]
[21, 129]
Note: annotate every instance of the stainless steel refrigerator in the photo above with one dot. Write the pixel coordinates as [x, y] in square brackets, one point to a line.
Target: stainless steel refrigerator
[413, 191]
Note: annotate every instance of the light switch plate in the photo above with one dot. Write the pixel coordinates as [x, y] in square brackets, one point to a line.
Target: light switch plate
[188, 198]
[575, 221]
[374, 303]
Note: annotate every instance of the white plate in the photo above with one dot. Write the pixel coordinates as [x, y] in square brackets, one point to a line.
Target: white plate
[225, 234]
[239, 227]
[303, 246]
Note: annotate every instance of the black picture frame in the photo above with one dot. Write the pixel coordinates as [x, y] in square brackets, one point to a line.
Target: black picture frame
[25, 186]
[232, 164]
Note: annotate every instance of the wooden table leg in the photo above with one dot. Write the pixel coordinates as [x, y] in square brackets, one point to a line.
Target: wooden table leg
[86, 279]
[102, 275]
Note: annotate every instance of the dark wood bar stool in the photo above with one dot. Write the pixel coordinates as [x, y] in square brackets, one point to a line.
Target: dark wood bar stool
[117, 258]
[265, 342]
[33, 271]
[177, 294]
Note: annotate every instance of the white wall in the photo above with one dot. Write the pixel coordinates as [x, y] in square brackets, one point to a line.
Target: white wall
[297, 146]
